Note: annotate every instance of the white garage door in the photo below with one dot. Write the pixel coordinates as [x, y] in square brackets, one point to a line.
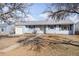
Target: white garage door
[18, 31]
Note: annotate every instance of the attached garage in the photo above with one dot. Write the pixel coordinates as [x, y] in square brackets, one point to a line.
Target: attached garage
[18, 30]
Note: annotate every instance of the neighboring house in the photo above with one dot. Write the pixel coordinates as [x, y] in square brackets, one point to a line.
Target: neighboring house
[54, 27]
[5, 28]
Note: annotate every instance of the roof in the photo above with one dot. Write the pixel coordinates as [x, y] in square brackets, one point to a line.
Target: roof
[44, 22]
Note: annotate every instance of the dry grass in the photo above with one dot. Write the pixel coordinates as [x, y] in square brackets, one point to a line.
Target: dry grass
[6, 41]
[41, 45]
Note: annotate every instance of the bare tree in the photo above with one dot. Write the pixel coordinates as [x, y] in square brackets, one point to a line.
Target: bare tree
[8, 10]
[62, 10]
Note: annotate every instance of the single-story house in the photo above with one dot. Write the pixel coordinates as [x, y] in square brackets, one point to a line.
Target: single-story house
[54, 27]
[5, 28]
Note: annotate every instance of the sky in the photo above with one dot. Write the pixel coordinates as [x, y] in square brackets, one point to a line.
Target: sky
[37, 9]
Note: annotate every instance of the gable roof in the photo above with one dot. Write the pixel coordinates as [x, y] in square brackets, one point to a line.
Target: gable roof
[44, 22]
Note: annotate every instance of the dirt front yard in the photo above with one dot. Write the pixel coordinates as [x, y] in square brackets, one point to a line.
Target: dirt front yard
[40, 46]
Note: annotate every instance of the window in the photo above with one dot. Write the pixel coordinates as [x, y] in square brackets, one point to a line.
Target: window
[65, 27]
[31, 27]
[51, 26]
